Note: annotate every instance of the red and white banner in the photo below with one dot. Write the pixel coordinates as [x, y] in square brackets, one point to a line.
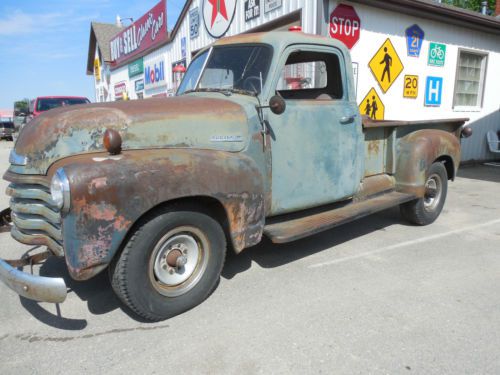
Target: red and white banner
[146, 32]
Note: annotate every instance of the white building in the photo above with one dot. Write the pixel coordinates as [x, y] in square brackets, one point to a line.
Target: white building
[443, 62]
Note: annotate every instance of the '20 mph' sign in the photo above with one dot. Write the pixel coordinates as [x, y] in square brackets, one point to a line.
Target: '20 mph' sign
[345, 25]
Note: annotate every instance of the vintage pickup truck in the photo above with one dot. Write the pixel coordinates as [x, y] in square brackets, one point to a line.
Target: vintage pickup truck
[264, 138]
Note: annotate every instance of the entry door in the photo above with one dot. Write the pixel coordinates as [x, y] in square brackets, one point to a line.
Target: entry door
[317, 143]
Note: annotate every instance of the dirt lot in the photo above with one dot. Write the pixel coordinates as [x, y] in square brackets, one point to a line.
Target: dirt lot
[375, 296]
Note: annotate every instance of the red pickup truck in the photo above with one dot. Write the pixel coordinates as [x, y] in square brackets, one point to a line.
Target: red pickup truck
[44, 103]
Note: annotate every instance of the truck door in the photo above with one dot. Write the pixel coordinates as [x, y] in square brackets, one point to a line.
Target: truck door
[317, 143]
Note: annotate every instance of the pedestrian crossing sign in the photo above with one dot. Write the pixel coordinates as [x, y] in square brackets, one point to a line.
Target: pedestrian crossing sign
[386, 65]
[372, 106]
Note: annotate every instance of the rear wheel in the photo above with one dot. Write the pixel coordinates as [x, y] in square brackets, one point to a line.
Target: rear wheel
[171, 263]
[426, 210]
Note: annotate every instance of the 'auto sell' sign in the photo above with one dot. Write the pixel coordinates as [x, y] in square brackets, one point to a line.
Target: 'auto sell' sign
[345, 25]
[147, 31]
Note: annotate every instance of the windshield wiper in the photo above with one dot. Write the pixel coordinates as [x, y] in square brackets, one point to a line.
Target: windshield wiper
[226, 92]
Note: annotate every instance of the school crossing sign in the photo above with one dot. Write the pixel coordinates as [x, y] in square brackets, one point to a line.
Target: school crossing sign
[372, 106]
[386, 65]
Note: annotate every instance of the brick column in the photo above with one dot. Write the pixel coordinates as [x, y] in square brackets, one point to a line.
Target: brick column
[497, 8]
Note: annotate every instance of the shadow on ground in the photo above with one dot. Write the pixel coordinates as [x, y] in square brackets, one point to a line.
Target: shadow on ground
[101, 299]
[488, 172]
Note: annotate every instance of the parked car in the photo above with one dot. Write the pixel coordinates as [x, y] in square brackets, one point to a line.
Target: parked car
[7, 129]
[152, 189]
[44, 103]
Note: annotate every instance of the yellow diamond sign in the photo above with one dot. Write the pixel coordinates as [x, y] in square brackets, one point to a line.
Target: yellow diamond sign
[386, 65]
[372, 106]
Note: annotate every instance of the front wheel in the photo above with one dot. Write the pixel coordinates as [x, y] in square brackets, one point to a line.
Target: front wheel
[426, 210]
[171, 263]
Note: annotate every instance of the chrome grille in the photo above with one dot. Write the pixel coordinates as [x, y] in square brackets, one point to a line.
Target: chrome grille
[36, 220]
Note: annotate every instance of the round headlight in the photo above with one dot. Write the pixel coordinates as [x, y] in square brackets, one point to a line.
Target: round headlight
[59, 189]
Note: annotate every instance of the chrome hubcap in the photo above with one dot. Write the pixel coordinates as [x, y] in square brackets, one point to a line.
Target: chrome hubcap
[433, 191]
[178, 261]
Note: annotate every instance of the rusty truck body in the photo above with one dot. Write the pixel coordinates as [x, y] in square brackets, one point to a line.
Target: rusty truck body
[155, 190]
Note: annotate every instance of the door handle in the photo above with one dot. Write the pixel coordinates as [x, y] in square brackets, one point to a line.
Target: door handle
[347, 119]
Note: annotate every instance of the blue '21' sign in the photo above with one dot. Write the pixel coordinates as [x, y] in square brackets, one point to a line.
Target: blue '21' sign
[414, 39]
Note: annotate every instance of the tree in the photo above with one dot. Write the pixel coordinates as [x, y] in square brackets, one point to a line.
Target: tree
[21, 106]
[474, 5]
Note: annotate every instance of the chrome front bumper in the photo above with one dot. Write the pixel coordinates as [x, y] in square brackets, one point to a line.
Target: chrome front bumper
[38, 288]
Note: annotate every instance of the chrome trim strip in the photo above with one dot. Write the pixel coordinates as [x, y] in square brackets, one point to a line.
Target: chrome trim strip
[38, 288]
[37, 239]
[36, 224]
[16, 159]
[17, 191]
[33, 208]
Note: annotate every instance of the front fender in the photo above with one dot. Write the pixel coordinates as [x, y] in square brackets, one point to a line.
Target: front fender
[415, 154]
[110, 193]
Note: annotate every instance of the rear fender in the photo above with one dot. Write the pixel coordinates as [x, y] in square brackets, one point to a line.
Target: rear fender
[417, 151]
[110, 193]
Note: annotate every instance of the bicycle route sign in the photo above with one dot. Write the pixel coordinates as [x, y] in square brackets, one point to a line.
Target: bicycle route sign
[414, 39]
[372, 106]
[437, 54]
[386, 65]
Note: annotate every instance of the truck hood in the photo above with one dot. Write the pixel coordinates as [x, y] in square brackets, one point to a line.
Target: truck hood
[186, 121]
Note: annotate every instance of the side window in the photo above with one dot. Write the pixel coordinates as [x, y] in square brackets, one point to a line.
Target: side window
[311, 75]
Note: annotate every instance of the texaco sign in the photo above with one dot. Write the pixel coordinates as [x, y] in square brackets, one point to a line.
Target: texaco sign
[218, 15]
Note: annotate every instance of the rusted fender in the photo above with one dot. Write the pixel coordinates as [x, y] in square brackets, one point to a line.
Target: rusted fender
[110, 193]
[417, 151]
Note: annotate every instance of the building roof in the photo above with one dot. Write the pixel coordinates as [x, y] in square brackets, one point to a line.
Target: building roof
[432, 10]
[100, 33]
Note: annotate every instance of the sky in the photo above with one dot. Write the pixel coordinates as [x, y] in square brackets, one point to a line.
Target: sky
[44, 44]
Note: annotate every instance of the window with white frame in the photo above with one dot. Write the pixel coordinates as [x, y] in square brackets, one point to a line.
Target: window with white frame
[471, 73]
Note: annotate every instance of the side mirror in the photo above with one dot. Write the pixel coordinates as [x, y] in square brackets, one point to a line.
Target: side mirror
[277, 104]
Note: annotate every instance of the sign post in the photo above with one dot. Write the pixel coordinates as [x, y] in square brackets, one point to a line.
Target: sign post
[345, 25]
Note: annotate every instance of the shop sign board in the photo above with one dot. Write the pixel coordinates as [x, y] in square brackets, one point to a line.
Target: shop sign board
[154, 74]
[148, 31]
[386, 65]
[410, 87]
[97, 69]
[252, 9]
[372, 106]
[194, 23]
[437, 54]
[139, 85]
[433, 91]
[218, 16]
[270, 5]
[136, 67]
[120, 88]
[345, 25]
[414, 40]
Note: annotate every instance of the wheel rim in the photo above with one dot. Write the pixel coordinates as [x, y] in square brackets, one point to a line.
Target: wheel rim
[178, 261]
[433, 192]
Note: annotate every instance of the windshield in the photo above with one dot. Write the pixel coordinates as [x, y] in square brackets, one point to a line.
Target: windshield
[49, 103]
[239, 68]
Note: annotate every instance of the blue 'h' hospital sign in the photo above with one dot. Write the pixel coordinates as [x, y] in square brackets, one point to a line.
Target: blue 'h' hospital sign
[433, 91]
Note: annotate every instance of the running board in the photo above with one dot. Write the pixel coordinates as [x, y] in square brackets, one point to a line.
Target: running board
[295, 229]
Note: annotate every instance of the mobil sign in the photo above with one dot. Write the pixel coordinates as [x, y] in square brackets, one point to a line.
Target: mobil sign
[154, 74]
[345, 25]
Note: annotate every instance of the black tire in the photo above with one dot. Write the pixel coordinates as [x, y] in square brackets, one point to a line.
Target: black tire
[136, 272]
[426, 210]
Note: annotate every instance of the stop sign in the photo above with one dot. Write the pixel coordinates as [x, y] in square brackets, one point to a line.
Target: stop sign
[345, 25]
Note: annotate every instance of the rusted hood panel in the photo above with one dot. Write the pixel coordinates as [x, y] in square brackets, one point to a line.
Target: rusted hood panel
[187, 122]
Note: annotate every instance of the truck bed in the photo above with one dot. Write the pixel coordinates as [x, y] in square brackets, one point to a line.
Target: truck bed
[382, 137]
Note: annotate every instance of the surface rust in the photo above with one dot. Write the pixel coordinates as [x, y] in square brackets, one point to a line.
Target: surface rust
[108, 196]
